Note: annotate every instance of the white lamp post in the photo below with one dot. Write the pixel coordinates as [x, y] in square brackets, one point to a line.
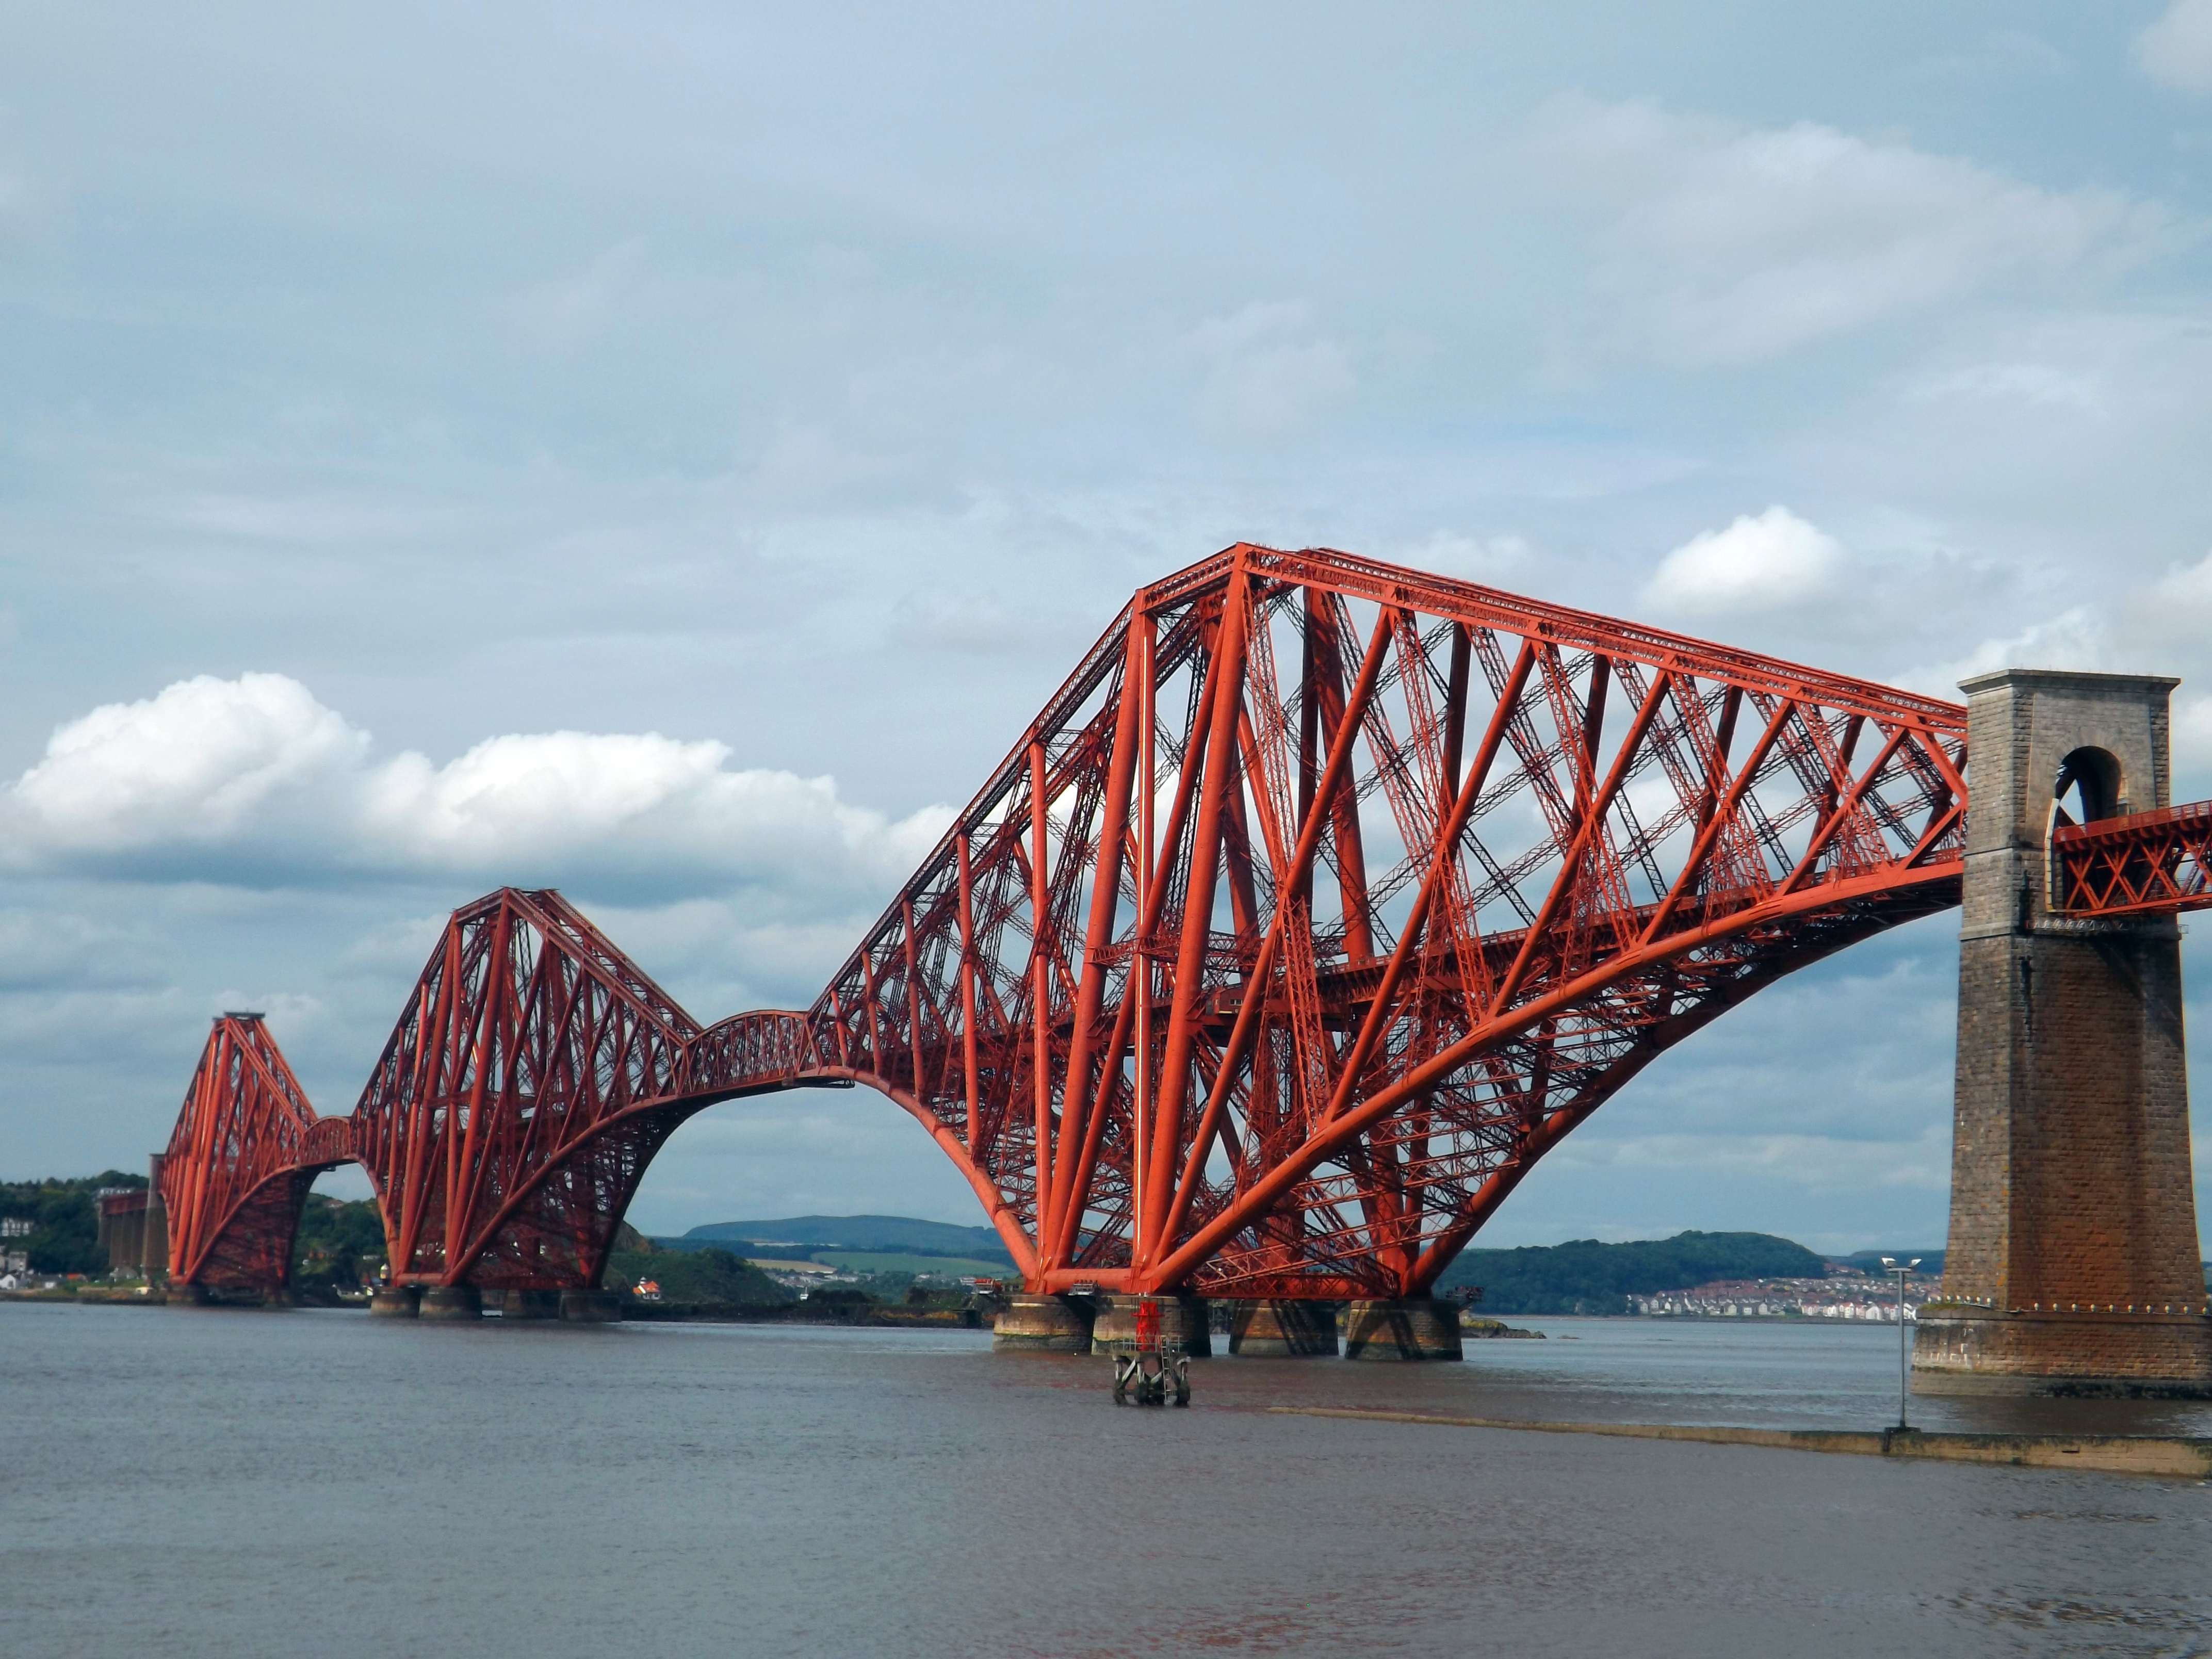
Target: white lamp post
[1904, 1342]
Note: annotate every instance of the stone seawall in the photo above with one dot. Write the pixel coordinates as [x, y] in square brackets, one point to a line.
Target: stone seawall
[2174, 1457]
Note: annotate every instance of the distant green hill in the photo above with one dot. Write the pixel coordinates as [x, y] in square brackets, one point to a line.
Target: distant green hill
[1586, 1277]
[801, 1235]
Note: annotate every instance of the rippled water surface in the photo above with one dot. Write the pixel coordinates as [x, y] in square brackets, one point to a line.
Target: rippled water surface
[316, 1482]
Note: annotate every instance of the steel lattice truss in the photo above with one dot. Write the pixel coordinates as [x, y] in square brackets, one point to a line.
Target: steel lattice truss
[2143, 862]
[239, 1162]
[532, 1078]
[1322, 900]
[1327, 896]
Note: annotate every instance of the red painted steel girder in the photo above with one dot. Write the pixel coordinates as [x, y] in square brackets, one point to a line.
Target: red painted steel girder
[1323, 899]
[500, 1125]
[1325, 896]
[532, 1074]
[2142, 863]
[245, 1149]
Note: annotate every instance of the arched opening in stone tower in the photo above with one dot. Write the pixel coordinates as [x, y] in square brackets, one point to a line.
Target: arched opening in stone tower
[2089, 787]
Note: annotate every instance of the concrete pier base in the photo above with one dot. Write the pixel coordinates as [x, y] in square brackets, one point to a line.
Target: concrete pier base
[592, 1307]
[235, 1298]
[452, 1302]
[1282, 1329]
[394, 1302]
[531, 1304]
[2125, 1354]
[1411, 1328]
[1042, 1324]
[1184, 1325]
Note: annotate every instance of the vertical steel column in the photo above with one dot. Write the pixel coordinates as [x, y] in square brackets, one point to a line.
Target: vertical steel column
[1040, 945]
[913, 1000]
[1144, 632]
[967, 983]
[1227, 688]
[1076, 1094]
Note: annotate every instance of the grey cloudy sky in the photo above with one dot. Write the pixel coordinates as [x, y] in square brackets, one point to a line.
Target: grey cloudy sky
[669, 453]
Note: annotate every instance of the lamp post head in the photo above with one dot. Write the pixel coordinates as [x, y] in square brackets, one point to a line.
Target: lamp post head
[1914, 1262]
[1889, 1261]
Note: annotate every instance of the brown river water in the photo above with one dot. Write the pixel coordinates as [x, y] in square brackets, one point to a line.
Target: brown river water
[318, 1483]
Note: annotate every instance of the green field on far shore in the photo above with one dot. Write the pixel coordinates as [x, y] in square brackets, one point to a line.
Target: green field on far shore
[878, 1261]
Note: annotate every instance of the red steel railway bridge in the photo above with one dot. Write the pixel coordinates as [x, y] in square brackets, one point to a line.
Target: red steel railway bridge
[1321, 901]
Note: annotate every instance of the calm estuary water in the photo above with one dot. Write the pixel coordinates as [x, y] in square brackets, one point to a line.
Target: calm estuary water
[317, 1484]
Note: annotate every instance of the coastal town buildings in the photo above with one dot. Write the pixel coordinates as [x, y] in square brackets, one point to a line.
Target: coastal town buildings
[1851, 1296]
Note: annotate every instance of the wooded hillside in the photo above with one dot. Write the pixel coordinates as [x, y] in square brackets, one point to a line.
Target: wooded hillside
[1585, 1277]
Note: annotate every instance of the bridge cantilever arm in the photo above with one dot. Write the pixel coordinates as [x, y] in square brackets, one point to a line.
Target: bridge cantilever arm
[1382, 1097]
[1324, 1143]
[1416, 924]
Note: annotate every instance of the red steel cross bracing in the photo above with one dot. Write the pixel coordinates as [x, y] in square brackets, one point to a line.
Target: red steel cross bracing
[2134, 864]
[246, 1150]
[1322, 901]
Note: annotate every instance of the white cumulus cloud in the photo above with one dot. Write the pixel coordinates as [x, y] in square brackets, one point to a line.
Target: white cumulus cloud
[1770, 562]
[253, 780]
[1731, 244]
[2176, 50]
[204, 762]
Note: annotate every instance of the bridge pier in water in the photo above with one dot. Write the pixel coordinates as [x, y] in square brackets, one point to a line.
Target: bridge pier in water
[1033, 1324]
[1409, 1327]
[592, 1307]
[1185, 1325]
[2072, 1263]
[450, 1302]
[466, 1302]
[1282, 1329]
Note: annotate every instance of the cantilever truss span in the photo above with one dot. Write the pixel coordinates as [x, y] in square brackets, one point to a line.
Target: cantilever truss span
[1322, 901]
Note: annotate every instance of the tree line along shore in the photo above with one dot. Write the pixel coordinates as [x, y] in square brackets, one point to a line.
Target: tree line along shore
[49, 1229]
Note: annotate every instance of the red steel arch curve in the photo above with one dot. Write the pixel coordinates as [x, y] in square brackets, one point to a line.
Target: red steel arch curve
[1323, 899]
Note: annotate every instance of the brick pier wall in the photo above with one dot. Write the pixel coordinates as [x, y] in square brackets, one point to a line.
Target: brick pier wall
[2072, 1261]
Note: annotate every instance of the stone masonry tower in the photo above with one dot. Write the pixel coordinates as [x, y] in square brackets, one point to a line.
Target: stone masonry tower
[2072, 1265]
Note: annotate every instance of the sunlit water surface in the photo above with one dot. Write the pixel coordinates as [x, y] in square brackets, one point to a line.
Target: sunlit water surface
[317, 1483]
